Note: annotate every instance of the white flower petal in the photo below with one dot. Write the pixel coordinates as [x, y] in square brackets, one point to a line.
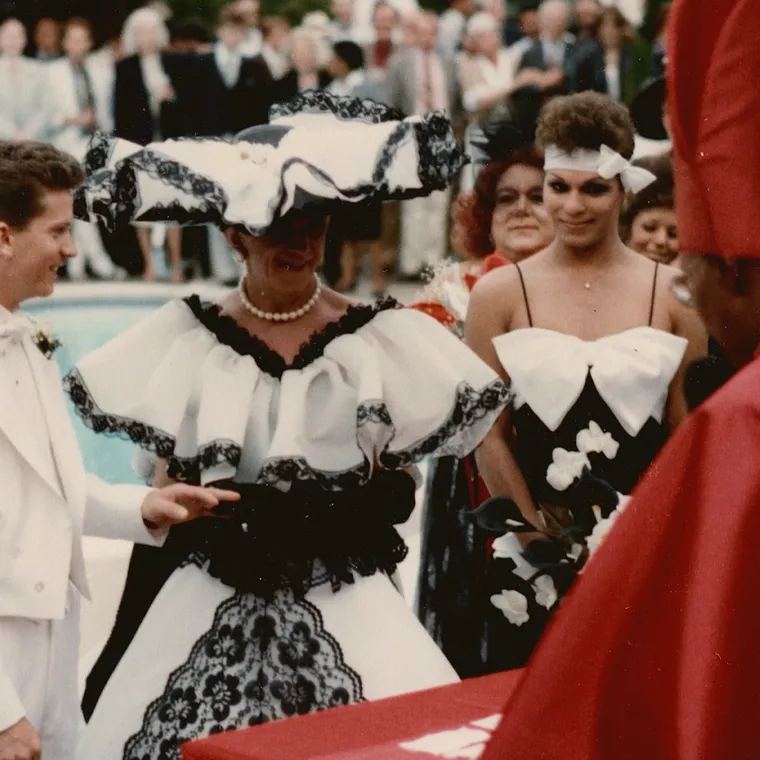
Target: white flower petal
[513, 605]
[546, 592]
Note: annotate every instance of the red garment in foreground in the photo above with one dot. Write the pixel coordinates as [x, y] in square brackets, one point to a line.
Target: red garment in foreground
[655, 654]
[367, 731]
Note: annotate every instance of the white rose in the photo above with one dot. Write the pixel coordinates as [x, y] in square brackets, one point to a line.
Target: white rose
[513, 605]
[546, 592]
[594, 440]
[565, 468]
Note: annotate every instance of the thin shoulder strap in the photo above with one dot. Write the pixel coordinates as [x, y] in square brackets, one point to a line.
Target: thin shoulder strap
[654, 292]
[525, 294]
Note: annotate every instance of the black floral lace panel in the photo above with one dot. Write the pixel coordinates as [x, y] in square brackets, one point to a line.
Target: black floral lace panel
[260, 661]
[342, 107]
[231, 334]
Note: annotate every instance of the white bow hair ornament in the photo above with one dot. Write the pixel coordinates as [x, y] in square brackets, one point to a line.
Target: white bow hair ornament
[606, 162]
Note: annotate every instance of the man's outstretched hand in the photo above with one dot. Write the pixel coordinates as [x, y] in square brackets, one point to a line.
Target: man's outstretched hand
[179, 503]
[20, 742]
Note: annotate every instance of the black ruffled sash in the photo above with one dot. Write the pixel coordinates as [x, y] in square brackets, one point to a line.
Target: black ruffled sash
[271, 539]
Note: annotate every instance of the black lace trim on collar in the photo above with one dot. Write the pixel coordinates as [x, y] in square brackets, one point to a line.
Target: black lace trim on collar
[231, 334]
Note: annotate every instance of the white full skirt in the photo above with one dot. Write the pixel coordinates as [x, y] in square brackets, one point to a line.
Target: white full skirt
[362, 642]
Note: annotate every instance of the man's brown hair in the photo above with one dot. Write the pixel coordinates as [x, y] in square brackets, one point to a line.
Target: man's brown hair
[27, 170]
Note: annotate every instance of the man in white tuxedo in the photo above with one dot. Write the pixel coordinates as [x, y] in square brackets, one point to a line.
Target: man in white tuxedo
[74, 106]
[48, 501]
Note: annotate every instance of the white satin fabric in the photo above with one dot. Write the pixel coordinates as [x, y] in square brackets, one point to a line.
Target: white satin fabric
[632, 371]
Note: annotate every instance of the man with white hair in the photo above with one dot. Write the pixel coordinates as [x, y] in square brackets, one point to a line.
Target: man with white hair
[554, 51]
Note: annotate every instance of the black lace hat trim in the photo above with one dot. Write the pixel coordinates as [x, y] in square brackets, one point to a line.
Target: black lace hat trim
[231, 334]
[342, 107]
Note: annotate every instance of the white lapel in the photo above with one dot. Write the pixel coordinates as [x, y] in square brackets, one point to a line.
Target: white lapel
[63, 440]
[15, 427]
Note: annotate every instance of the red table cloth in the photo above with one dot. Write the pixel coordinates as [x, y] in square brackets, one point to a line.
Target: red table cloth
[373, 730]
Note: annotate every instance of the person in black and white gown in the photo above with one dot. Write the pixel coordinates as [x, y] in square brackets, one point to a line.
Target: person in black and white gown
[316, 409]
[595, 348]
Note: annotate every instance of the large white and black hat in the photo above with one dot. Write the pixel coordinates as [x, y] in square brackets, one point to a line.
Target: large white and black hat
[318, 150]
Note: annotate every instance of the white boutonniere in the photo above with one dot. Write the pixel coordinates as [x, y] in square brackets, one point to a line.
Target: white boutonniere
[45, 339]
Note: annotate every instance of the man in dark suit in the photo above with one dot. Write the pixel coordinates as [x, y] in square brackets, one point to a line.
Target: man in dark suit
[239, 88]
[554, 51]
[238, 91]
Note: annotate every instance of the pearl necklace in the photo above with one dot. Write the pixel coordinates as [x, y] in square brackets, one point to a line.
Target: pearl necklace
[271, 316]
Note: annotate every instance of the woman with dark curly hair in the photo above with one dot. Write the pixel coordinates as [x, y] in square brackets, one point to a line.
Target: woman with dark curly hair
[594, 347]
[648, 223]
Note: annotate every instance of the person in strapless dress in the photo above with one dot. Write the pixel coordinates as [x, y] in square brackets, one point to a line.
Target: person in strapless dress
[595, 349]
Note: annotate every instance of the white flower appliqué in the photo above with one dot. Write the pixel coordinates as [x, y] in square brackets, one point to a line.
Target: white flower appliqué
[513, 605]
[603, 527]
[566, 467]
[594, 440]
[546, 592]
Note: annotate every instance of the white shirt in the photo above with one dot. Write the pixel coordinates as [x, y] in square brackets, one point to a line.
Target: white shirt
[612, 75]
[277, 62]
[347, 85]
[154, 78]
[494, 78]
[438, 96]
[228, 62]
[252, 43]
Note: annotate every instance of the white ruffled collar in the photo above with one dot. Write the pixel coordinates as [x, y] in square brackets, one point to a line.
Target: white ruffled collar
[632, 371]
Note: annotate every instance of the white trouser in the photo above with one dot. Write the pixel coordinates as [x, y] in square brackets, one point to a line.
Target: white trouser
[40, 656]
[90, 250]
[224, 264]
[424, 232]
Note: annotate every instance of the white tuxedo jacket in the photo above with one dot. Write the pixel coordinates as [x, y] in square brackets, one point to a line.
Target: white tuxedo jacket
[65, 105]
[44, 514]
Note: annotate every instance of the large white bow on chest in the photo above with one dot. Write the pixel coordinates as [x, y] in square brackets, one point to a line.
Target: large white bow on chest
[631, 370]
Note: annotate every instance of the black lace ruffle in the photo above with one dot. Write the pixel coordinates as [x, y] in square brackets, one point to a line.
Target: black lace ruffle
[342, 107]
[158, 442]
[260, 661]
[271, 539]
[230, 333]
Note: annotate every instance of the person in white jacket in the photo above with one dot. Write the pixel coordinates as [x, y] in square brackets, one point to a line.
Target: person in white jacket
[48, 501]
[74, 110]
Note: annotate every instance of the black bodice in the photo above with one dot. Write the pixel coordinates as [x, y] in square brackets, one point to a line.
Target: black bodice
[535, 444]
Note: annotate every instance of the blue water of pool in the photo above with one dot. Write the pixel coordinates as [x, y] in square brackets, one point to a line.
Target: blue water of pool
[82, 327]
